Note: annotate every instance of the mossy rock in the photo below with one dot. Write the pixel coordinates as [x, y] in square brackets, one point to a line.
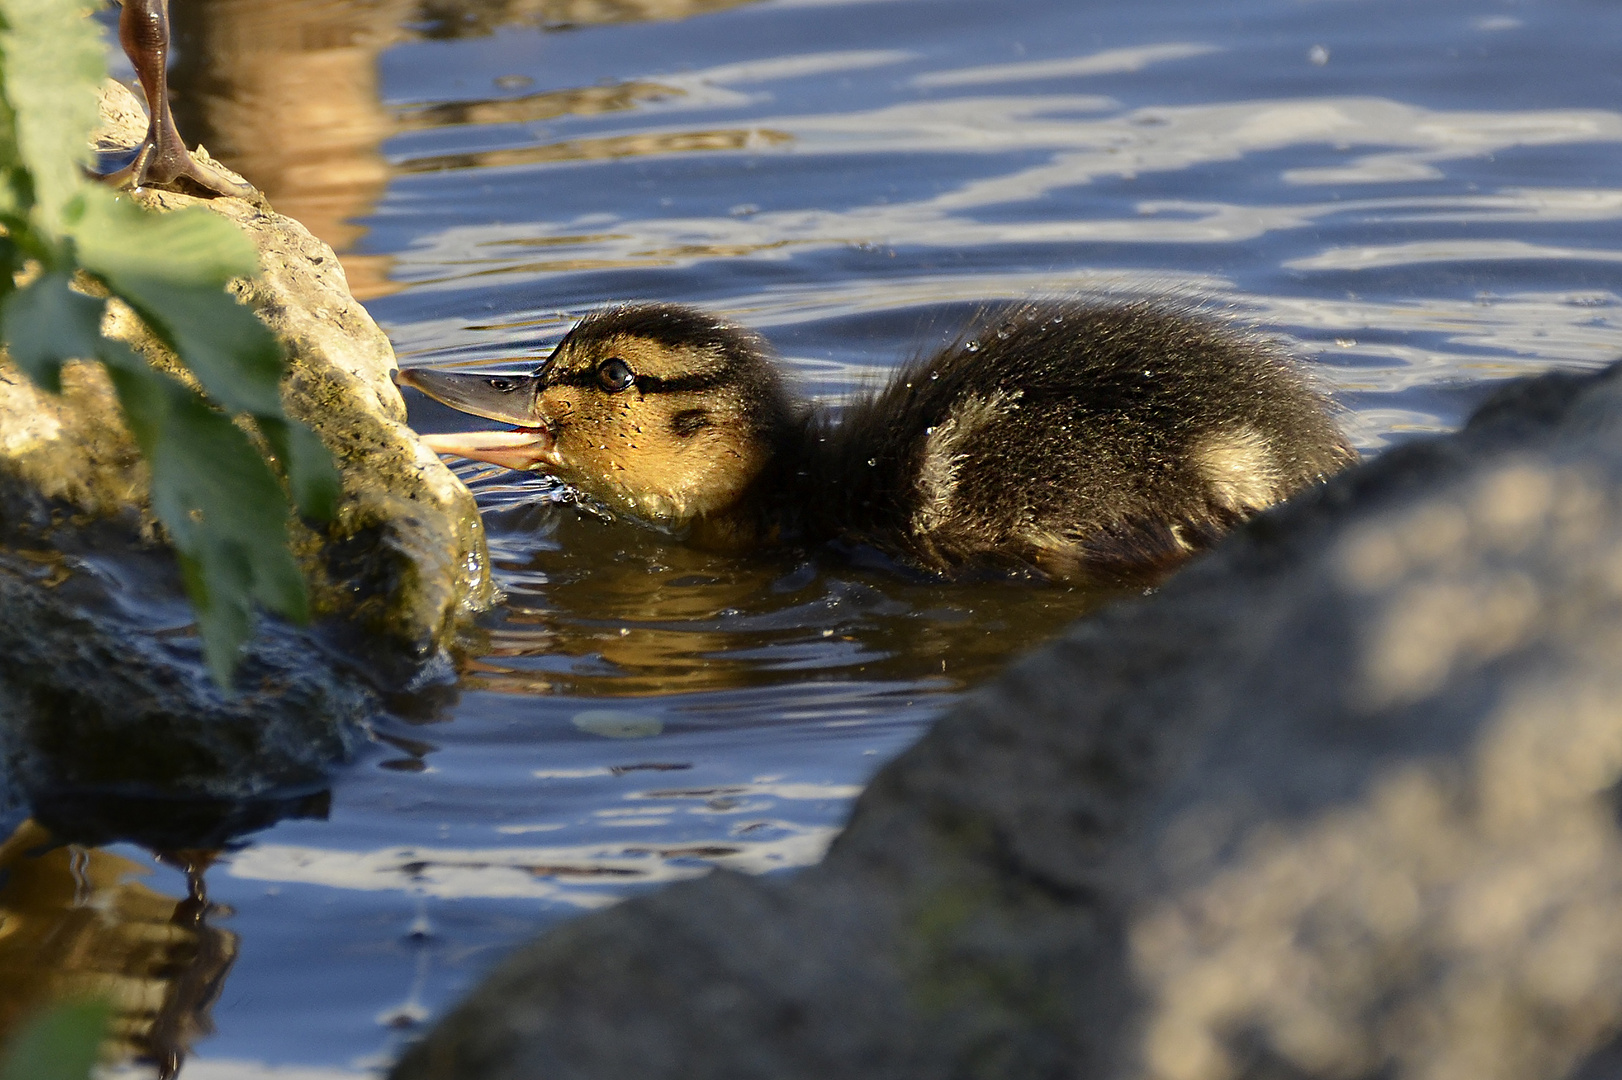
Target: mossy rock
[101, 683]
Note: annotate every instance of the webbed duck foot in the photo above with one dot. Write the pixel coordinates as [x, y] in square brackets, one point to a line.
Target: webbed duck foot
[170, 166]
[161, 160]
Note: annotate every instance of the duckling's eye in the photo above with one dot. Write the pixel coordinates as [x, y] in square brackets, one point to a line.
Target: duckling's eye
[615, 375]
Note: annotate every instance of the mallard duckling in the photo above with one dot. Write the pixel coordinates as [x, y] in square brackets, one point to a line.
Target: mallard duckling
[1097, 443]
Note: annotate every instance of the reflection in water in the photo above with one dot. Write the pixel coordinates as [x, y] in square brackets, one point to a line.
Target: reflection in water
[646, 616]
[73, 924]
[1108, 62]
[1079, 149]
[1434, 251]
[572, 875]
[1050, 146]
[584, 101]
[617, 146]
[285, 92]
[456, 18]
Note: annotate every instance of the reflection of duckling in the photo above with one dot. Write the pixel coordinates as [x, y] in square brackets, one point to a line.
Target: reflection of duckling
[1076, 441]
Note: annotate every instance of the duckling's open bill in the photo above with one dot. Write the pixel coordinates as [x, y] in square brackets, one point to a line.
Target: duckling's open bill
[509, 399]
[1086, 442]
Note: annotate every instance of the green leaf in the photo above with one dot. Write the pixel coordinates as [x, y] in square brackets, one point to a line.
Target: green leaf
[119, 239]
[234, 355]
[309, 469]
[16, 193]
[142, 393]
[172, 269]
[53, 59]
[11, 260]
[225, 511]
[217, 583]
[63, 1044]
[46, 323]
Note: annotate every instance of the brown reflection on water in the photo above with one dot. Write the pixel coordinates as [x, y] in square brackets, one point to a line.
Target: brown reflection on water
[614, 610]
[464, 17]
[613, 146]
[285, 92]
[73, 924]
[584, 101]
[501, 263]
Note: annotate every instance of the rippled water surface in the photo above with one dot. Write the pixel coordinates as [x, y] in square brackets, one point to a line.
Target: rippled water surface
[1423, 198]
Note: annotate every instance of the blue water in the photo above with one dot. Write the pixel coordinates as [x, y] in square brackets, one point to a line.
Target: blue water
[1423, 199]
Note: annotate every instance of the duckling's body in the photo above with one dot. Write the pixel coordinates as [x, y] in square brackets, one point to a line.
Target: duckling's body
[1082, 442]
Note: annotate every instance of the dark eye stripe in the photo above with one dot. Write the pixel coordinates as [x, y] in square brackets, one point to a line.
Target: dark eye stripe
[648, 384]
[683, 383]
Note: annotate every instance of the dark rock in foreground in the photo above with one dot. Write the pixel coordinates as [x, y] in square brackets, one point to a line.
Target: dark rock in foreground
[1340, 801]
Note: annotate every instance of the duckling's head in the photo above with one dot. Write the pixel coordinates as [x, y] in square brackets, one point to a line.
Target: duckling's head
[656, 410]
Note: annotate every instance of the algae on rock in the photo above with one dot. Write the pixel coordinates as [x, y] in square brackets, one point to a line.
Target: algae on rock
[405, 559]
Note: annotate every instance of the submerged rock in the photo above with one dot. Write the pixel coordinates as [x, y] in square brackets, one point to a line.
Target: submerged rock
[102, 684]
[1340, 800]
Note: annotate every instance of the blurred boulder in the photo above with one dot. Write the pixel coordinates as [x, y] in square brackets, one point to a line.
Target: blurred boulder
[1339, 800]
